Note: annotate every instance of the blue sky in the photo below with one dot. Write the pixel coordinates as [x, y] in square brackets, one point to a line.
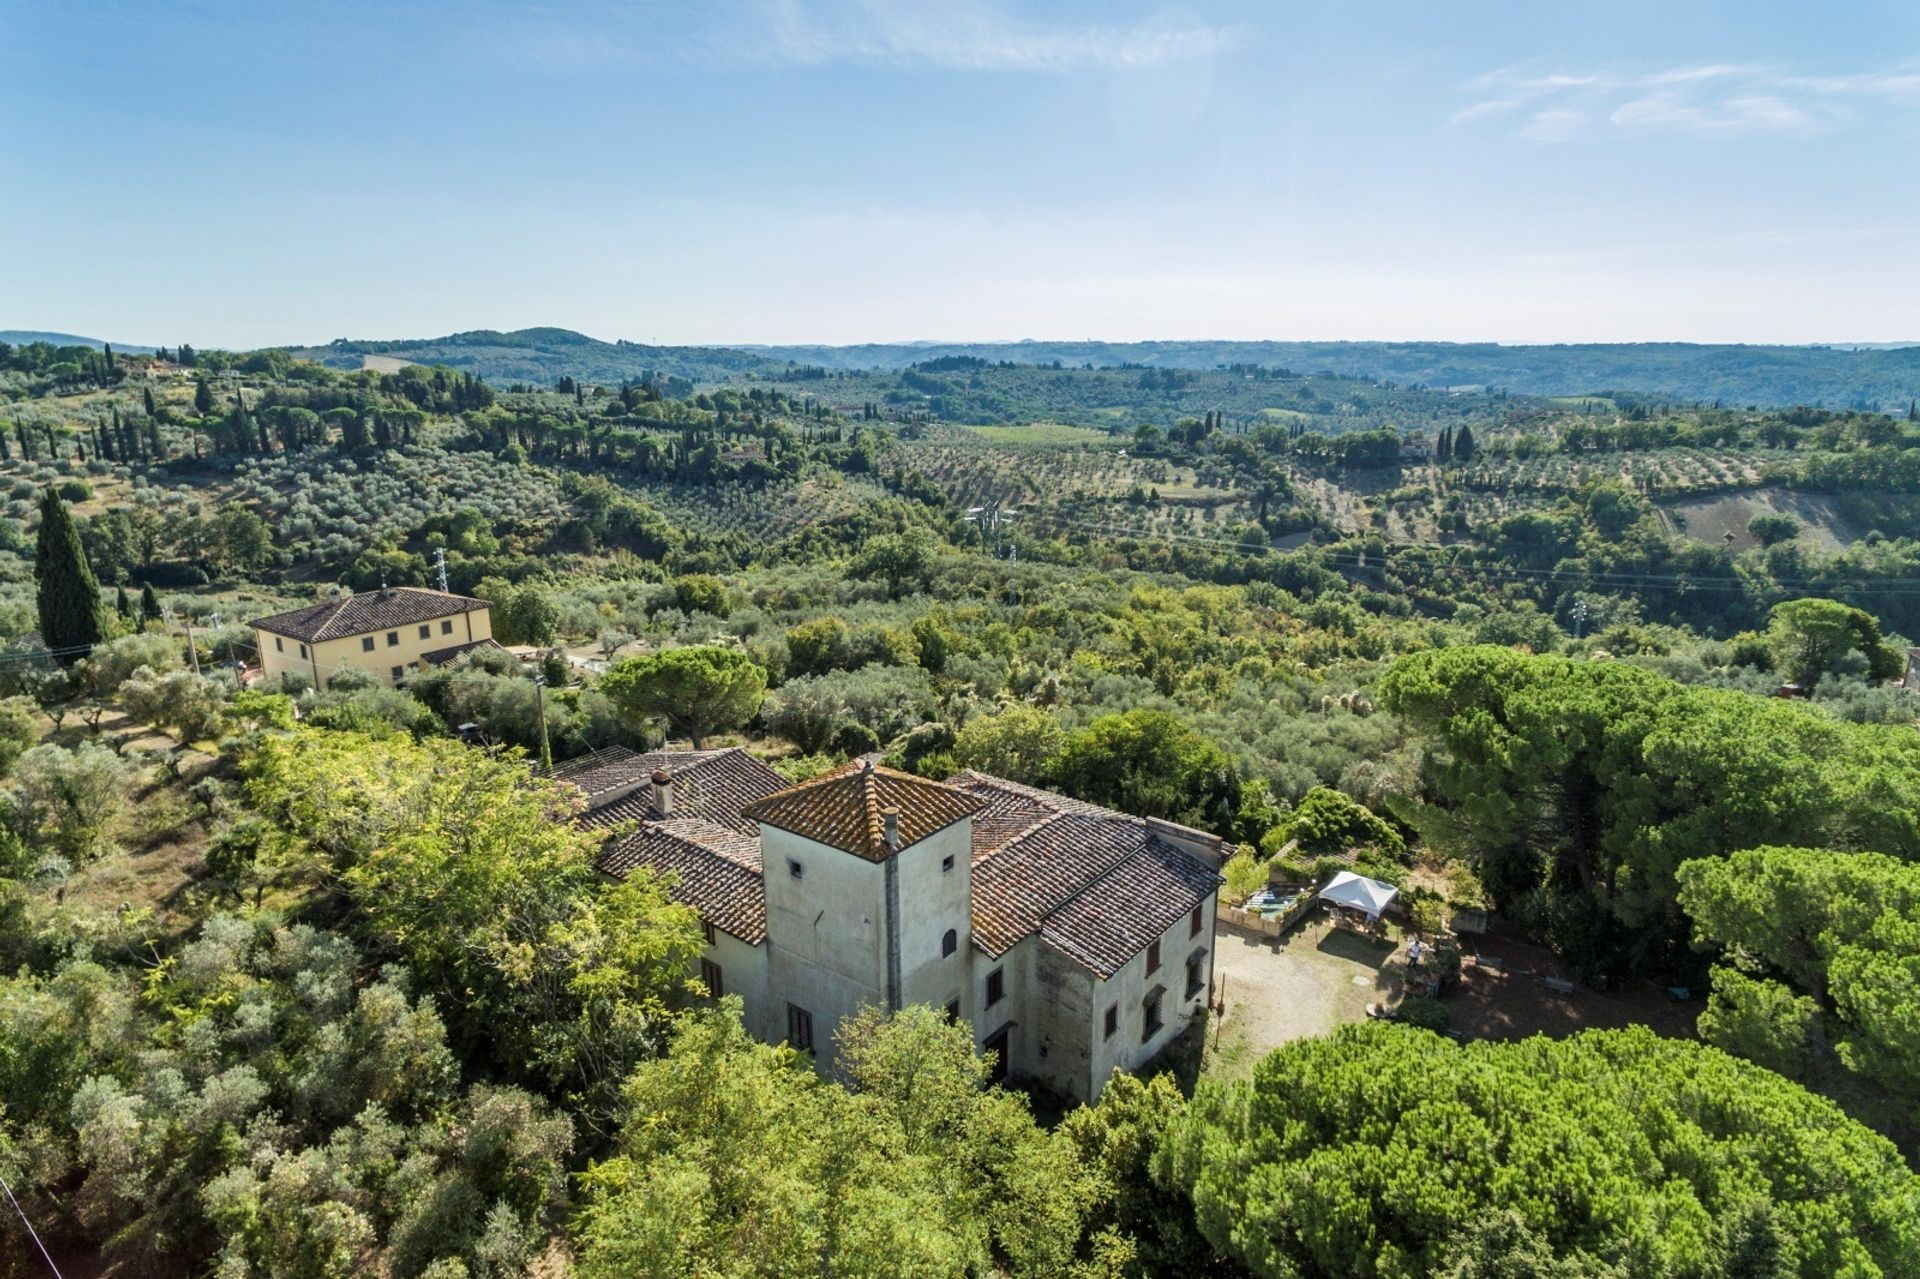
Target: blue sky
[782, 171]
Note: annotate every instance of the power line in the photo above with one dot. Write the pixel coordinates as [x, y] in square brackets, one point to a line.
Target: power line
[31, 1232]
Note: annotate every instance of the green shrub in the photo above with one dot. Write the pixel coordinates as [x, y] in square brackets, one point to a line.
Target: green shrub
[1427, 1014]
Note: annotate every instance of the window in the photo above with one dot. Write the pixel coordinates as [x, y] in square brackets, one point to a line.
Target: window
[799, 1028]
[425, 631]
[303, 650]
[278, 647]
[996, 986]
[366, 643]
[949, 943]
[393, 639]
[946, 864]
[953, 1013]
[707, 931]
[446, 627]
[396, 673]
[1193, 925]
[1153, 957]
[795, 869]
[1113, 1021]
[1196, 972]
[712, 978]
[1150, 1014]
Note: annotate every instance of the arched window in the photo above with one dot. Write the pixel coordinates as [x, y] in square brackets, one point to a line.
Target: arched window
[949, 943]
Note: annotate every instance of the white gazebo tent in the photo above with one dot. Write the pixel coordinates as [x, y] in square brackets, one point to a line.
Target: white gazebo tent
[1357, 892]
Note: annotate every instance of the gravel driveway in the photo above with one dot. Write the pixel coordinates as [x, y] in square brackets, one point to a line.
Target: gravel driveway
[1303, 984]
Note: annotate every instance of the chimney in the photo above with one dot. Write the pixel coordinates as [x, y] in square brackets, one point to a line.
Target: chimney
[662, 792]
[890, 827]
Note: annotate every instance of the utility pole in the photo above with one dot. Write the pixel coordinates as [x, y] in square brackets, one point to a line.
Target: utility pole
[546, 747]
[193, 650]
[440, 565]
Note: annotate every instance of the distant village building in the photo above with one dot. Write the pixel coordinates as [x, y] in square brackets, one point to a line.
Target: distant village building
[388, 633]
[1074, 940]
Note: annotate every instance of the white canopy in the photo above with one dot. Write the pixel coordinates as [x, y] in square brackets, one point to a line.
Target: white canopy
[1359, 892]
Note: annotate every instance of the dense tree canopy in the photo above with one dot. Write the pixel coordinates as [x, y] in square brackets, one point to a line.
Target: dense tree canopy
[738, 1158]
[1570, 781]
[1382, 1151]
[698, 690]
[1150, 763]
[1841, 929]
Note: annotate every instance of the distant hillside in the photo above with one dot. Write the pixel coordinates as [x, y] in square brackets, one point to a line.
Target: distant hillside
[25, 337]
[543, 356]
[1835, 377]
[1832, 377]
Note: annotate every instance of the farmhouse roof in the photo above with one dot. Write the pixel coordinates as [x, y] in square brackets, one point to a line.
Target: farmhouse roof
[366, 612]
[712, 785]
[712, 868]
[848, 808]
[1097, 884]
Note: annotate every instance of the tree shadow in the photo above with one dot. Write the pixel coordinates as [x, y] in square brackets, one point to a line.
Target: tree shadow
[1350, 946]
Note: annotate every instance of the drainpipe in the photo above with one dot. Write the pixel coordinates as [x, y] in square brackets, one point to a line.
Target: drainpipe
[890, 869]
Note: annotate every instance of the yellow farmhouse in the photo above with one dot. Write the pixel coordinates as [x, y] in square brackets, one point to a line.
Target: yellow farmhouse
[386, 633]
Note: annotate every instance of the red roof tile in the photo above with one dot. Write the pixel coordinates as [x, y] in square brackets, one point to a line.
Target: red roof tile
[713, 785]
[711, 868]
[1089, 880]
[845, 809]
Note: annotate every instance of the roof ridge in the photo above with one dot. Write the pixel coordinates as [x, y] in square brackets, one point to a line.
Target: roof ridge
[1106, 872]
[870, 801]
[1051, 815]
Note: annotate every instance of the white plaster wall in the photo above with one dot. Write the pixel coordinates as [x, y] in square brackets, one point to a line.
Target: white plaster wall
[1017, 964]
[931, 902]
[743, 971]
[1128, 988]
[826, 948]
[1057, 1052]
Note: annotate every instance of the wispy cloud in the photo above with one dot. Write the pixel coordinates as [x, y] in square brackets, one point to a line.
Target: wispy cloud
[1701, 100]
[969, 36]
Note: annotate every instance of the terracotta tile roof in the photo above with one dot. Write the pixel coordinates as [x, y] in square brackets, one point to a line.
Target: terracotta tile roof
[441, 656]
[366, 612]
[844, 808]
[1115, 917]
[713, 785]
[1088, 879]
[711, 868]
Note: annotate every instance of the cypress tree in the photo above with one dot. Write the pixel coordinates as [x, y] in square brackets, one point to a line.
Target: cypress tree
[202, 396]
[1463, 444]
[146, 396]
[149, 604]
[68, 595]
[122, 604]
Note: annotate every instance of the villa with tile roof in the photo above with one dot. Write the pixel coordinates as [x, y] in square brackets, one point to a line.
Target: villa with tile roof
[1075, 940]
[389, 633]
